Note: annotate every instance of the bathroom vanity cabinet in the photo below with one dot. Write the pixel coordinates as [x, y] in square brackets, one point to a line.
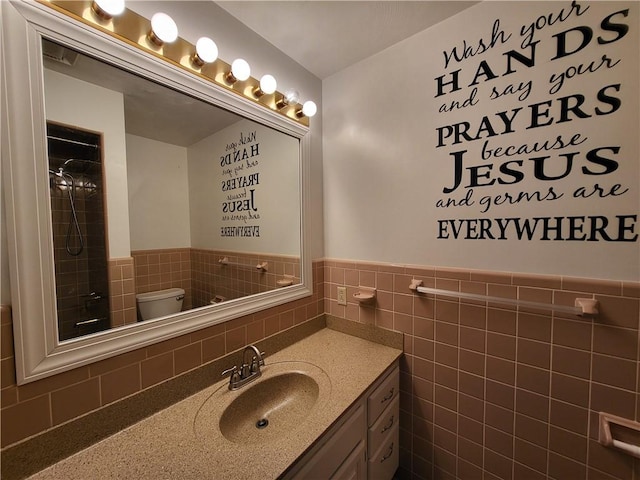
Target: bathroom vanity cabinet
[363, 443]
[350, 432]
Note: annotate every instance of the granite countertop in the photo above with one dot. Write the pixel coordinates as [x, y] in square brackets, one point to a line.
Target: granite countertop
[183, 441]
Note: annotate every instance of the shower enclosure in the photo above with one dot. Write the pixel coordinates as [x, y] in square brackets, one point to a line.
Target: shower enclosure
[78, 221]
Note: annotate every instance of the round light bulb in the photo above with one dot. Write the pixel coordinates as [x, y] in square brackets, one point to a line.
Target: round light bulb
[268, 84]
[111, 8]
[207, 50]
[309, 108]
[292, 96]
[240, 69]
[164, 27]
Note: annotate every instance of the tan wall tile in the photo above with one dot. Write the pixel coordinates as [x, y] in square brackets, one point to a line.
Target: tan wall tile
[118, 384]
[75, 400]
[157, 369]
[25, 419]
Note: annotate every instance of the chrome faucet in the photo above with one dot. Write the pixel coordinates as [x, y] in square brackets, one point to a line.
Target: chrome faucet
[249, 371]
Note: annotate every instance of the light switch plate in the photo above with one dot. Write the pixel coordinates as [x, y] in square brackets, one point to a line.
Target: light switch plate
[342, 295]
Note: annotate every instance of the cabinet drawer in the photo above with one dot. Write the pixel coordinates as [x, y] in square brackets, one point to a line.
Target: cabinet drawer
[384, 425]
[384, 462]
[383, 396]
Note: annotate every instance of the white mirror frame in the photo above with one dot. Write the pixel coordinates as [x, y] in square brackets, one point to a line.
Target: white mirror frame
[38, 352]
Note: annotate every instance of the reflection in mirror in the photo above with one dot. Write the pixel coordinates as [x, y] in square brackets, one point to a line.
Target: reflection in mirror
[77, 218]
[160, 202]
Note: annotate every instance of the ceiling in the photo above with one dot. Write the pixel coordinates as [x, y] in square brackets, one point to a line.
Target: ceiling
[328, 36]
[150, 109]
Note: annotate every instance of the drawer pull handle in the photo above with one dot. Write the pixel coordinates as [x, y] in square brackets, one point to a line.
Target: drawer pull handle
[388, 426]
[388, 454]
[388, 396]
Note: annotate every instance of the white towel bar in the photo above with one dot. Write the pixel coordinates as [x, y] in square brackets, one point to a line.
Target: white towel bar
[583, 306]
[260, 266]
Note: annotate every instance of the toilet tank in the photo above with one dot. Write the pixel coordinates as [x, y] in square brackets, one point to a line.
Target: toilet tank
[160, 303]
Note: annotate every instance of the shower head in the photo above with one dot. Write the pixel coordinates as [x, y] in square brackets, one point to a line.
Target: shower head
[63, 178]
[78, 165]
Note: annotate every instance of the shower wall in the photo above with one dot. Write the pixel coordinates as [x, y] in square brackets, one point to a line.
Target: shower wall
[77, 215]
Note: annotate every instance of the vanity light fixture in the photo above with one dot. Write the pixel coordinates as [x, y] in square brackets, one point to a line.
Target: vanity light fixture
[135, 29]
[107, 9]
[240, 70]
[267, 86]
[290, 97]
[163, 29]
[309, 109]
[206, 52]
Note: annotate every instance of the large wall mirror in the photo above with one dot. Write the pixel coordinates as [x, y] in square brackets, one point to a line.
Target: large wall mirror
[145, 202]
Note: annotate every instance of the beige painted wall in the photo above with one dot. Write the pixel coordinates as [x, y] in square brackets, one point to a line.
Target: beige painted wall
[77, 103]
[384, 172]
[158, 194]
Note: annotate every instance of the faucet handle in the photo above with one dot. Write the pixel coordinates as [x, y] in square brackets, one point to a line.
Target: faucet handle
[233, 371]
[257, 362]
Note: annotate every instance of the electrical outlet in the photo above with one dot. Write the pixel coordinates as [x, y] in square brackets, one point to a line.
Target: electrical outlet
[342, 295]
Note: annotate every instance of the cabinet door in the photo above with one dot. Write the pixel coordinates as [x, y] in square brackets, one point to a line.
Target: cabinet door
[336, 447]
[354, 466]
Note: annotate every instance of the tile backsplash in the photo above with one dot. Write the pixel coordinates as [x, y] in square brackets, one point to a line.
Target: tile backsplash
[492, 392]
[487, 391]
[36, 407]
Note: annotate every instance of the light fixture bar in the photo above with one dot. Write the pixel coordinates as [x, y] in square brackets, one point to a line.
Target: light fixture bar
[134, 29]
